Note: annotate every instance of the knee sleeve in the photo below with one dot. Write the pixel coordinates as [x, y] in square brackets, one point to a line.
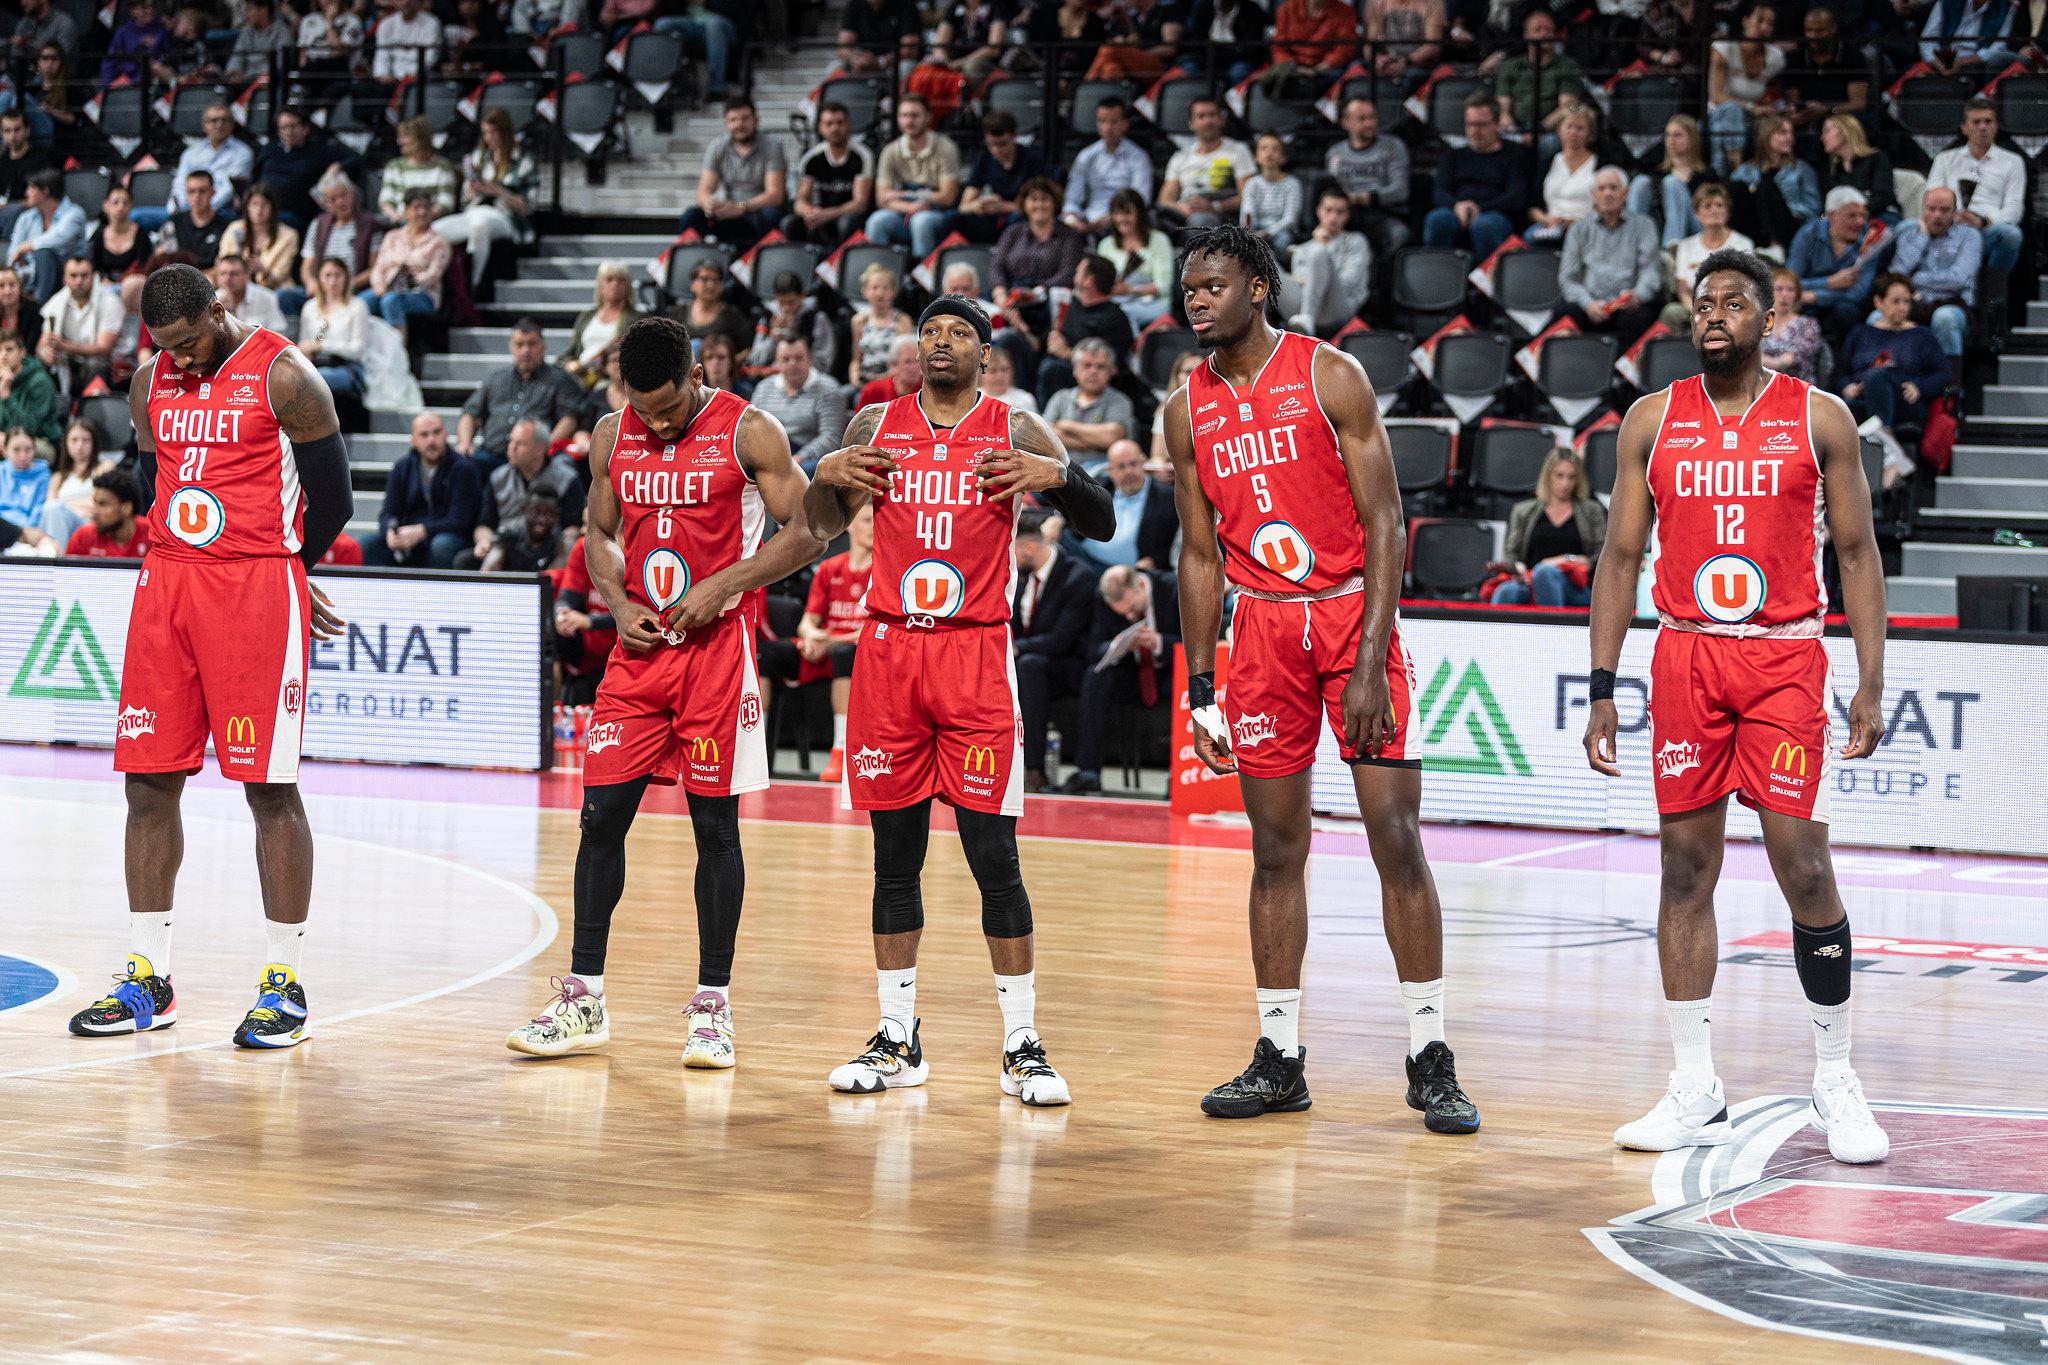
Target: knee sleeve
[990, 842]
[608, 810]
[900, 840]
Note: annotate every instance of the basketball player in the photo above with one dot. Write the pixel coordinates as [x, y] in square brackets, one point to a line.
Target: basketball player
[1734, 466]
[933, 710]
[679, 480]
[251, 487]
[1286, 488]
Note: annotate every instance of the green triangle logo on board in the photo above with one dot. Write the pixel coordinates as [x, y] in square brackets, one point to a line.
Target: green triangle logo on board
[64, 661]
[1468, 706]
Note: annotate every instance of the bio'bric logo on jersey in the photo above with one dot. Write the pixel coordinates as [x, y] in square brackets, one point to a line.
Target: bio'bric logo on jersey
[932, 587]
[665, 578]
[1463, 727]
[64, 661]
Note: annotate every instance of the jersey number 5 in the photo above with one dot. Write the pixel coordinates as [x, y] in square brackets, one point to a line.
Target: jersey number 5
[1259, 491]
[935, 529]
[1728, 523]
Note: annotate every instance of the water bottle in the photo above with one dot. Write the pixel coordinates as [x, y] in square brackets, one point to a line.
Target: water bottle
[1052, 753]
[565, 736]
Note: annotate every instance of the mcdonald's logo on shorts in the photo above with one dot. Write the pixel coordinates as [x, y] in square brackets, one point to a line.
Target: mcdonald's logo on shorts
[703, 749]
[1789, 758]
[981, 759]
[241, 730]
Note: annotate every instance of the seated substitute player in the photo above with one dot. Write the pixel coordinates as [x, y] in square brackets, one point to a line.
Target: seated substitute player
[251, 487]
[933, 711]
[1732, 465]
[1286, 485]
[681, 479]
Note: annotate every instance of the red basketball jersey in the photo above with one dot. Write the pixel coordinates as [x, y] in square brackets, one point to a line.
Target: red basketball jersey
[942, 550]
[1270, 466]
[1739, 512]
[227, 486]
[687, 507]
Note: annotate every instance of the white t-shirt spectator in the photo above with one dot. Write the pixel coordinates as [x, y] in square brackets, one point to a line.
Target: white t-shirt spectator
[2000, 181]
[1742, 87]
[1214, 173]
[83, 323]
[1568, 193]
[1692, 250]
[399, 40]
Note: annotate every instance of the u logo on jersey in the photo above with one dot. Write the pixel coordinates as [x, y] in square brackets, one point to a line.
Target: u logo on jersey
[1729, 588]
[664, 577]
[1284, 550]
[932, 587]
[195, 517]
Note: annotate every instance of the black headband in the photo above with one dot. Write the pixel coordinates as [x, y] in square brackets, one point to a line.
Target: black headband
[954, 305]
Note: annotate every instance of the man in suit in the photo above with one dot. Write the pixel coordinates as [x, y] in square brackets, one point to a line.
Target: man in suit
[1137, 621]
[1146, 519]
[1049, 619]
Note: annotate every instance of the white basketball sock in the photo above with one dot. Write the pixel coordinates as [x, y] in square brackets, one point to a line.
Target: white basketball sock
[722, 992]
[1692, 1043]
[1830, 1036]
[592, 981]
[150, 933]
[1017, 997]
[896, 988]
[287, 943]
[1280, 1018]
[1424, 1002]
[839, 731]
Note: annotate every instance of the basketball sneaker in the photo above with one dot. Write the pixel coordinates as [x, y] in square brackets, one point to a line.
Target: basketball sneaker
[1433, 1089]
[1687, 1116]
[278, 1018]
[1028, 1076]
[1272, 1084]
[573, 1021]
[709, 1020]
[140, 1001]
[1840, 1111]
[886, 1065]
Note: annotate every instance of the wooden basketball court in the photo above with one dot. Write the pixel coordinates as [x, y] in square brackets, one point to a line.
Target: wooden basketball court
[402, 1186]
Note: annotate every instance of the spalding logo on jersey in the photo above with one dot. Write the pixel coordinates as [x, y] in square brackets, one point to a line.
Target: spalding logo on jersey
[932, 587]
[1729, 588]
[665, 578]
[1284, 550]
[195, 517]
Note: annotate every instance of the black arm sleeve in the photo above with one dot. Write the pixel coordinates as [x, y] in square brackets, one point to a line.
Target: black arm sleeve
[323, 477]
[1085, 504]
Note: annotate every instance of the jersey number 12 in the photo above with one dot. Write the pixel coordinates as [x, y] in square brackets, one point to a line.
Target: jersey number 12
[1728, 523]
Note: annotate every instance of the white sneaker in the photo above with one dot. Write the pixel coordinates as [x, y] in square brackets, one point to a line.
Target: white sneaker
[886, 1065]
[1687, 1116]
[574, 1021]
[1028, 1076]
[1840, 1111]
[709, 1020]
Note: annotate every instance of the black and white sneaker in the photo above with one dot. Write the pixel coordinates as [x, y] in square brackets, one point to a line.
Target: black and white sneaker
[1272, 1084]
[1433, 1088]
[1030, 1077]
[885, 1065]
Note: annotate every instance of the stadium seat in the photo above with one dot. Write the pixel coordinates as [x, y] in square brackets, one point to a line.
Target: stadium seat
[1872, 452]
[149, 187]
[1157, 353]
[857, 259]
[1447, 105]
[1642, 105]
[967, 253]
[798, 258]
[1601, 460]
[1385, 356]
[1665, 361]
[1932, 106]
[256, 114]
[1472, 365]
[516, 98]
[1429, 284]
[121, 114]
[1423, 452]
[589, 111]
[1576, 367]
[354, 122]
[1088, 94]
[1385, 95]
[188, 109]
[1265, 114]
[1506, 457]
[654, 59]
[683, 259]
[1527, 282]
[442, 98]
[1174, 98]
[109, 417]
[86, 186]
[1449, 558]
[2023, 105]
[1023, 97]
[862, 98]
[579, 52]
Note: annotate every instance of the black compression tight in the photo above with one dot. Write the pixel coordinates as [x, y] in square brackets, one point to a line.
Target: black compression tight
[721, 885]
[608, 813]
[990, 843]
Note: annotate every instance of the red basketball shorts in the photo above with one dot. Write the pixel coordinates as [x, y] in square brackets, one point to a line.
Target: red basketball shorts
[215, 647]
[933, 712]
[1289, 664]
[688, 713]
[1742, 715]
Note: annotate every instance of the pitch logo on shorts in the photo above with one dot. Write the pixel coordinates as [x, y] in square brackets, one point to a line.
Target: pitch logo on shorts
[1284, 550]
[932, 587]
[665, 578]
[871, 763]
[1677, 756]
[1250, 731]
[1729, 588]
[134, 722]
[609, 735]
[195, 517]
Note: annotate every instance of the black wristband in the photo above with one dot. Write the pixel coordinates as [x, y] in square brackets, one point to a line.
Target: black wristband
[1201, 690]
[1601, 686]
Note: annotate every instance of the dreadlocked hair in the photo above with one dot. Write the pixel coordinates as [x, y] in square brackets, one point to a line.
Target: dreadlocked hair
[1248, 249]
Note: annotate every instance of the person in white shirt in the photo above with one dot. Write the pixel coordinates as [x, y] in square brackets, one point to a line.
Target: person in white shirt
[1200, 186]
[334, 330]
[1568, 185]
[1990, 184]
[408, 42]
[999, 381]
[80, 324]
[219, 154]
[1711, 205]
[248, 301]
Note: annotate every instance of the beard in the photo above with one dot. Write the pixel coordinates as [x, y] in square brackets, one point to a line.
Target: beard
[1731, 361]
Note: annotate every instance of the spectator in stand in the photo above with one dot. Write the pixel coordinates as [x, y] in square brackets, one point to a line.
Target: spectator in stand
[1234, 30]
[118, 247]
[791, 310]
[708, 34]
[408, 43]
[835, 183]
[869, 31]
[1539, 85]
[1710, 206]
[807, 403]
[999, 381]
[1793, 343]
[1092, 416]
[1200, 188]
[1568, 185]
[1410, 39]
[538, 545]
[1667, 199]
[709, 310]
[28, 395]
[18, 316]
[1829, 80]
[527, 465]
[1848, 159]
[584, 631]
[1125, 666]
[41, 24]
[196, 231]
[1671, 30]
[877, 324]
[296, 161]
[607, 396]
[834, 611]
[245, 299]
[1330, 274]
[610, 313]
[1834, 272]
[963, 279]
[1106, 165]
[1038, 253]
[432, 503]
[719, 359]
[1940, 257]
[81, 322]
[69, 508]
[1271, 205]
[219, 154]
[1611, 273]
[330, 35]
[1049, 615]
[917, 182]
[1742, 76]
[1142, 257]
[528, 389]
[258, 39]
[334, 330]
[904, 375]
[498, 181]
[998, 173]
[1374, 172]
[411, 267]
[416, 167]
[1482, 188]
[19, 160]
[1074, 25]
[114, 531]
[60, 101]
[1553, 539]
[1774, 192]
[1144, 39]
[1147, 522]
[343, 233]
[744, 186]
[185, 55]
[1967, 36]
[1889, 369]
[1313, 42]
[24, 488]
[138, 40]
[1093, 314]
[50, 231]
[1989, 183]
[1182, 368]
[268, 245]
